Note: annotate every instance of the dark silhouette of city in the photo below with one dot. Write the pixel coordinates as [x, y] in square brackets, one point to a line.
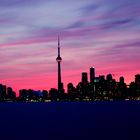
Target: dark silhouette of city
[97, 89]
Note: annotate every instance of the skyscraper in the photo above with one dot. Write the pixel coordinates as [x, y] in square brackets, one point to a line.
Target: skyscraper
[121, 79]
[109, 78]
[137, 78]
[84, 77]
[59, 59]
[92, 74]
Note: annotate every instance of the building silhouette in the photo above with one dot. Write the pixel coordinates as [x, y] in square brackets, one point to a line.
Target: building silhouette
[92, 74]
[84, 77]
[59, 59]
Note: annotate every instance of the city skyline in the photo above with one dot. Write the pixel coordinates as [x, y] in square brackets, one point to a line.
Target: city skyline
[103, 34]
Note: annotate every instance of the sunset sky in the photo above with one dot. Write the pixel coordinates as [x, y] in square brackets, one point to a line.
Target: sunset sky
[100, 33]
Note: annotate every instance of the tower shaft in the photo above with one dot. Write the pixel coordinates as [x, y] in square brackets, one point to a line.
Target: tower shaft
[59, 75]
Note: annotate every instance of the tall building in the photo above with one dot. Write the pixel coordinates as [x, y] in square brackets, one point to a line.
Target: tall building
[92, 74]
[109, 78]
[84, 77]
[137, 78]
[121, 79]
[59, 59]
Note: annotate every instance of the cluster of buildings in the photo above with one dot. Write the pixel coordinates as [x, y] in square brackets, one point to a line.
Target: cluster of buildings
[104, 88]
[97, 88]
[6, 93]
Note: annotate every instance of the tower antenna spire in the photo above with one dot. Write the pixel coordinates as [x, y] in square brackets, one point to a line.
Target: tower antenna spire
[58, 41]
[58, 46]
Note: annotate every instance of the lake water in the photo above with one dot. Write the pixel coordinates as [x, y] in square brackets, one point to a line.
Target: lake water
[70, 120]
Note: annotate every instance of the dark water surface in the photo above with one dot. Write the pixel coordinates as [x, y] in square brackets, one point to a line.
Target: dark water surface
[70, 120]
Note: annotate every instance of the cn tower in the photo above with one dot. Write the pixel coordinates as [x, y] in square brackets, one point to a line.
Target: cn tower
[59, 59]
